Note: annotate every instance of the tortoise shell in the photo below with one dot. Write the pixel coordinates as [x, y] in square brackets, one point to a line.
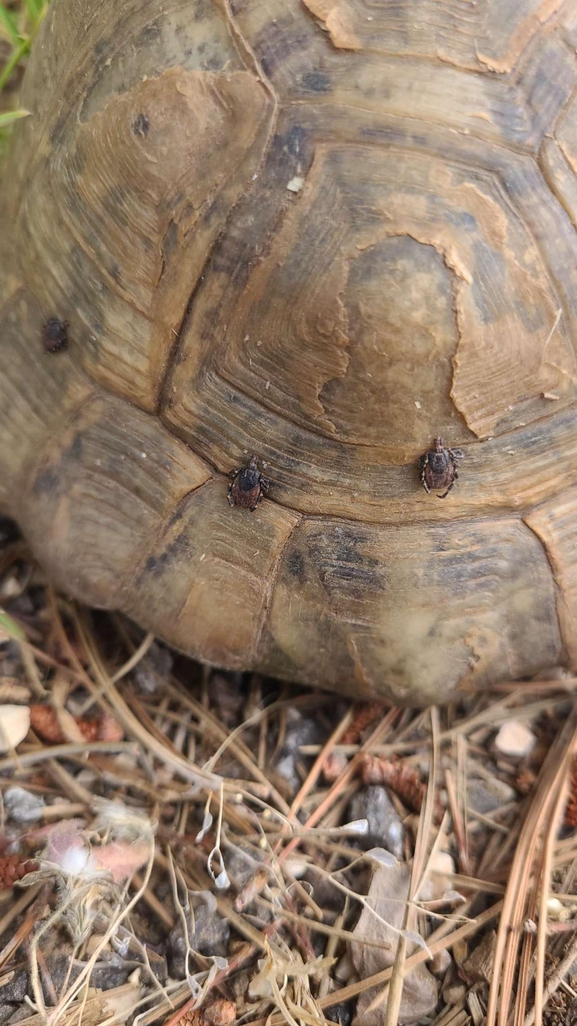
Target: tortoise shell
[324, 232]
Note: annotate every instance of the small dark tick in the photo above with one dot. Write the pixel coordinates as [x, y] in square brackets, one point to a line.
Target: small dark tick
[439, 468]
[247, 486]
[54, 335]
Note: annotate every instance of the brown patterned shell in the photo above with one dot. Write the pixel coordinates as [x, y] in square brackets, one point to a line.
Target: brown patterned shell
[325, 232]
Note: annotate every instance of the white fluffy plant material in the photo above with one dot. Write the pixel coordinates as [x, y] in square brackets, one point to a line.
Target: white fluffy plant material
[89, 866]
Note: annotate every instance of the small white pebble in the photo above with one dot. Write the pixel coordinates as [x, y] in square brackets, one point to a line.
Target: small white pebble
[295, 184]
[14, 725]
[442, 862]
[514, 738]
[143, 454]
[202, 557]
[440, 962]
[554, 908]
[297, 867]
[417, 404]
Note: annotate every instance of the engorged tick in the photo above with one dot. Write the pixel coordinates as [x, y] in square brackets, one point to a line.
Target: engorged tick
[54, 335]
[247, 486]
[439, 468]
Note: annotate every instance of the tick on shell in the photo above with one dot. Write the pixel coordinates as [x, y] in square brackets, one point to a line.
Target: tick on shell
[54, 335]
[247, 486]
[439, 468]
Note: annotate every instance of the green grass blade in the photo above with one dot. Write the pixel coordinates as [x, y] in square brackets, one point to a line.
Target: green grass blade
[12, 629]
[35, 10]
[17, 55]
[8, 23]
[12, 115]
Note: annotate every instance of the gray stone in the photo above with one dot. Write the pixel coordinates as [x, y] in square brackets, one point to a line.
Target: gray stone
[22, 806]
[385, 828]
[387, 896]
[150, 673]
[301, 730]
[209, 935]
[484, 796]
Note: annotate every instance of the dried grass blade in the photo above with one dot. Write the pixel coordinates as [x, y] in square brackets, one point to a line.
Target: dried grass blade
[551, 779]
[121, 710]
[426, 821]
[545, 876]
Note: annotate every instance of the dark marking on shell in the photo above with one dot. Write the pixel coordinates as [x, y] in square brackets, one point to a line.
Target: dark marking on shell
[141, 125]
[316, 82]
[47, 482]
[74, 451]
[149, 34]
[296, 565]
[343, 564]
[156, 565]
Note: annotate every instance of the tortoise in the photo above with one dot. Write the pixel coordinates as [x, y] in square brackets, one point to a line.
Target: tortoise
[324, 232]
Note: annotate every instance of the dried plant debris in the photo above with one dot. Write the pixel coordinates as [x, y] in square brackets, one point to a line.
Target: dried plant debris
[382, 921]
[185, 846]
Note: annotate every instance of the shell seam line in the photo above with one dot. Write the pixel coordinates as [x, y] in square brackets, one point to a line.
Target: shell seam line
[559, 596]
[157, 534]
[242, 47]
[269, 592]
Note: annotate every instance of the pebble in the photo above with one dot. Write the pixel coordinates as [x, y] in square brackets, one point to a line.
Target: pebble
[454, 993]
[485, 796]
[385, 828]
[301, 730]
[209, 935]
[514, 738]
[442, 862]
[387, 896]
[440, 963]
[155, 668]
[22, 806]
[14, 725]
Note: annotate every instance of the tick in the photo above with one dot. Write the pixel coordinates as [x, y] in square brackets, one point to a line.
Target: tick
[439, 468]
[247, 486]
[54, 335]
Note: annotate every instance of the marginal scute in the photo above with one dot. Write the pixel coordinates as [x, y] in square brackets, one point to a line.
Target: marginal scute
[99, 495]
[209, 558]
[441, 608]
[39, 394]
[555, 523]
